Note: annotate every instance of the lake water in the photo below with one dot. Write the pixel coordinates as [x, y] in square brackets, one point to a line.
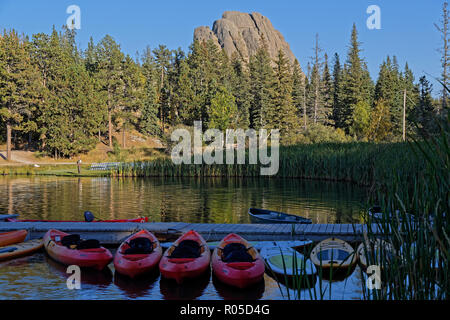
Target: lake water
[170, 200]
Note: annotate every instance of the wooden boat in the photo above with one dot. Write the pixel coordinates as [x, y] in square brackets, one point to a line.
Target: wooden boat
[236, 263]
[71, 250]
[12, 237]
[187, 258]
[285, 263]
[334, 256]
[268, 216]
[138, 254]
[21, 249]
[370, 252]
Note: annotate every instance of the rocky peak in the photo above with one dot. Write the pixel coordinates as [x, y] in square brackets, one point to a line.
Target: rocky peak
[242, 33]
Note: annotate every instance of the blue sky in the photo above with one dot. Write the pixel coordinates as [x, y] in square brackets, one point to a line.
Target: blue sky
[407, 29]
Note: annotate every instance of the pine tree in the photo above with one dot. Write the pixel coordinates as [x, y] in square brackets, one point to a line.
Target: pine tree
[262, 83]
[315, 81]
[110, 59]
[298, 89]
[240, 87]
[19, 84]
[337, 116]
[133, 95]
[283, 115]
[223, 110]
[424, 114]
[163, 58]
[148, 122]
[356, 82]
[326, 111]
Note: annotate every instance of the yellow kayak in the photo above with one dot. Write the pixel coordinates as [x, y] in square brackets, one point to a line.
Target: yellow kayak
[20, 249]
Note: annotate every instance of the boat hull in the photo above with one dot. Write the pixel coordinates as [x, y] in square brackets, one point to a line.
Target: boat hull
[237, 274]
[134, 265]
[97, 258]
[180, 269]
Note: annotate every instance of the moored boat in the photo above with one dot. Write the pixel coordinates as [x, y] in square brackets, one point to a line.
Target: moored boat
[334, 256]
[69, 249]
[138, 254]
[187, 258]
[371, 252]
[286, 264]
[21, 249]
[268, 216]
[12, 237]
[237, 263]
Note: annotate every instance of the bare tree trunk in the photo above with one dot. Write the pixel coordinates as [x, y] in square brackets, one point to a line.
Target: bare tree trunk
[404, 116]
[110, 129]
[304, 102]
[443, 30]
[123, 137]
[8, 141]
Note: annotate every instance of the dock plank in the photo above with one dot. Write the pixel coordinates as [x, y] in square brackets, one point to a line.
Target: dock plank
[114, 233]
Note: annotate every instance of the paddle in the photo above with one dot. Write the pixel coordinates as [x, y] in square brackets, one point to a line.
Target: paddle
[10, 249]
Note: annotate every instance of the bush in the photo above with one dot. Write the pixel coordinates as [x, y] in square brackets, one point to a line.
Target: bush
[319, 133]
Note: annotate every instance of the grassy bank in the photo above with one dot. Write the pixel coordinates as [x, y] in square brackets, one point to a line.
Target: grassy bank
[363, 163]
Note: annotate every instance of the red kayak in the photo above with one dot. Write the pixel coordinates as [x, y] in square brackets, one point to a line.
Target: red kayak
[69, 249]
[138, 254]
[188, 257]
[12, 237]
[138, 220]
[236, 263]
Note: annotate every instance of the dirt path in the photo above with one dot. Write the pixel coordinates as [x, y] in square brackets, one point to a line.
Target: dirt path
[26, 158]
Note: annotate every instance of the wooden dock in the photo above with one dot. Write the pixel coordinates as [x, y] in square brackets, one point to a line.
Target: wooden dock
[115, 233]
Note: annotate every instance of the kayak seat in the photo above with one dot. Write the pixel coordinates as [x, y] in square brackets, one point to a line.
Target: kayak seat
[88, 244]
[71, 240]
[187, 249]
[139, 245]
[236, 252]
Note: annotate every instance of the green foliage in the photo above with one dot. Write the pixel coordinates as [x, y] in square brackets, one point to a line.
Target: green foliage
[361, 120]
[223, 110]
[62, 101]
[320, 133]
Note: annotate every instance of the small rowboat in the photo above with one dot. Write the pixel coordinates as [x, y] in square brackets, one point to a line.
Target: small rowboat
[71, 250]
[138, 254]
[370, 252]
[268, 216]
[21, 249]
[286, 264]
[236, 263]
[334, 255]
[187, 258]
[12, 237]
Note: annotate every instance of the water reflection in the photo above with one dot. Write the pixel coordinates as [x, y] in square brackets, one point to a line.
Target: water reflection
[208, 200]
[162, 199]
[227, 292]
[93, 277]
[138, 287]
[191, 289]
